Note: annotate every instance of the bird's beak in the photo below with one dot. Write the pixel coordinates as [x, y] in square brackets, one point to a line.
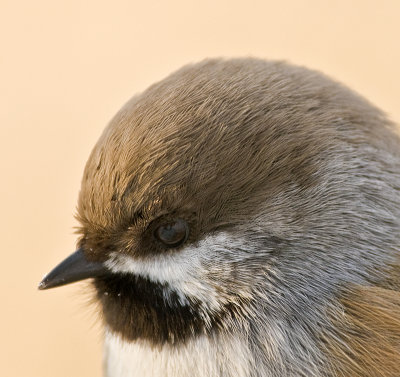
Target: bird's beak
[74, 268]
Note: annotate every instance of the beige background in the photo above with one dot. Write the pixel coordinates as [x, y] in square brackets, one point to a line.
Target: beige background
[65, 69]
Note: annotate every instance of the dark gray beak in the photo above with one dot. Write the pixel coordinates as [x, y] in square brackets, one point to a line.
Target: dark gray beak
[74, 268]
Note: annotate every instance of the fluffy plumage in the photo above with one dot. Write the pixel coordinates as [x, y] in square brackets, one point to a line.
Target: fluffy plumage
[290, 185]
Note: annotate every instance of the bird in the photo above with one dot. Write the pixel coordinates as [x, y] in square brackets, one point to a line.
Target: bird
[241, 217]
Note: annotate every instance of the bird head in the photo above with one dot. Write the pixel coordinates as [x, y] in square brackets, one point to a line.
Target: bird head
[236, 192]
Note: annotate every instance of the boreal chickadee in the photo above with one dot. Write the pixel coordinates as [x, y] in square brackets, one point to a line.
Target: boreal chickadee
[242, 218]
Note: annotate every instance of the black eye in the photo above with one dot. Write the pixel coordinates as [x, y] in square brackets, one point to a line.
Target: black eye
[173, 234]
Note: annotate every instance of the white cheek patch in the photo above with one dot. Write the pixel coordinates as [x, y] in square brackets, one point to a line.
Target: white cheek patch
[182, 271]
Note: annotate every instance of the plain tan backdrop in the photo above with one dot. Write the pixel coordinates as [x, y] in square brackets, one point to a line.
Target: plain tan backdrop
[65, 69]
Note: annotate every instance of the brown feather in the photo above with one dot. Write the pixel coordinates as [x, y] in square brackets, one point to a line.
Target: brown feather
[368, 339]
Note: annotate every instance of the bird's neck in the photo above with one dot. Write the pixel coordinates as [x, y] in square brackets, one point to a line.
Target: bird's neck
[199, 357]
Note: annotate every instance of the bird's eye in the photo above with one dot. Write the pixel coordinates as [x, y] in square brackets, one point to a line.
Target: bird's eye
[172, 234]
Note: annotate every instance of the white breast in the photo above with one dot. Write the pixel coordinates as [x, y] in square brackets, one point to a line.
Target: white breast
[200, 357]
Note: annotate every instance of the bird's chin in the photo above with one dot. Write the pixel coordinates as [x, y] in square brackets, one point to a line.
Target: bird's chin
[137, 308]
